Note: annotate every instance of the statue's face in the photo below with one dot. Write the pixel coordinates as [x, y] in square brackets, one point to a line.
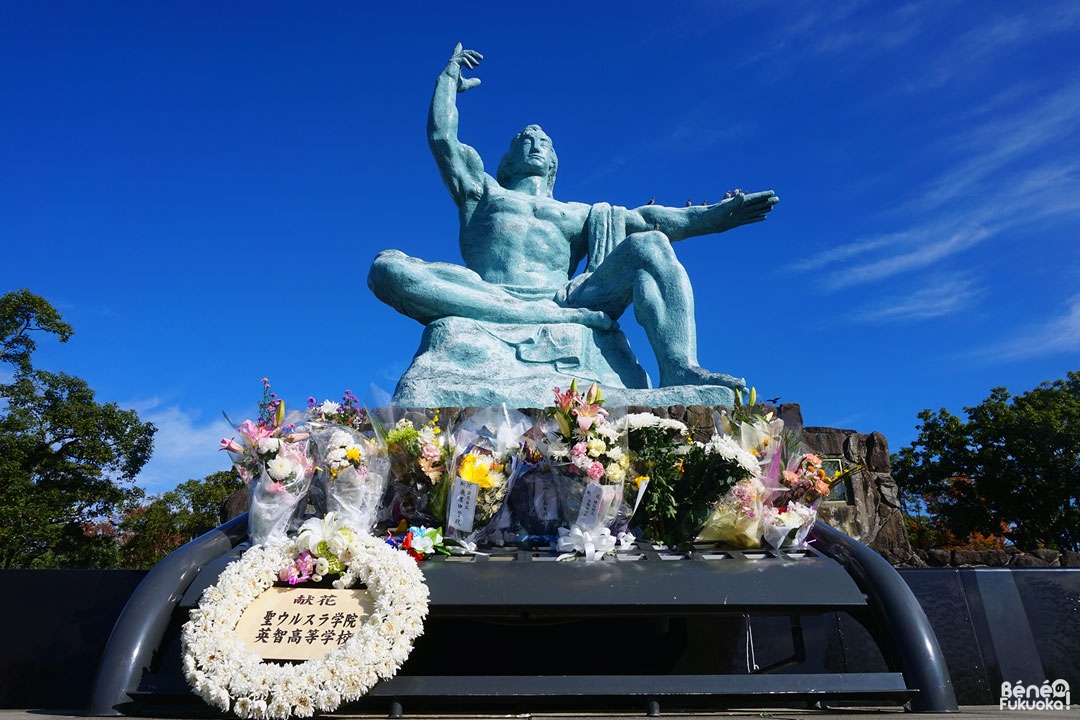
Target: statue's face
[533, 154]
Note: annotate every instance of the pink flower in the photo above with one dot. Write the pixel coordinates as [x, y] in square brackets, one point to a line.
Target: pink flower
[579, 449]
[566, 400]
[596, 470]
[812, 459]
[254, 432]
[231, 445]
[430, 453]
[589, 415]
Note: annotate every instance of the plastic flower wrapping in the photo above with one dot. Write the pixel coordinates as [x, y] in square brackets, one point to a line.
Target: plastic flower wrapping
[485, 459]
[418, 455]
[273, 458]
[580, 479]
[353, 467]
[777, 501]
[589, 450]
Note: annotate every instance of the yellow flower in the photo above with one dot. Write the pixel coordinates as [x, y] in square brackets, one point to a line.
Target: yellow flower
[640, 479]
[353, 454]
[475, 470]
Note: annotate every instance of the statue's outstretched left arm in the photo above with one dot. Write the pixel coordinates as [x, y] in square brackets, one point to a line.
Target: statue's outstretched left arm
[682, 223]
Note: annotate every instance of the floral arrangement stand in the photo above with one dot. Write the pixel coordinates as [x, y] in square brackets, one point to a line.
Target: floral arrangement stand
[141, 668]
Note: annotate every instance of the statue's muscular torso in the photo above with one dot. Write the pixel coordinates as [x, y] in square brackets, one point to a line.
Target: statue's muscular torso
[525, 241]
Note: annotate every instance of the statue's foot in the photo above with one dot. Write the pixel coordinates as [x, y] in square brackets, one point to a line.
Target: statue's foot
[552, 312]
[596, 319]
[700, 376]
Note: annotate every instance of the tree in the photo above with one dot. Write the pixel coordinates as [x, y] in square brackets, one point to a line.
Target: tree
[153, 530]
[1015, 460]
[21, 313]
[67, 462]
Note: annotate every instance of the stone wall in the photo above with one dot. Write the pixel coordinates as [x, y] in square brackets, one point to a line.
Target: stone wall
[1008, 557]
[874, 517]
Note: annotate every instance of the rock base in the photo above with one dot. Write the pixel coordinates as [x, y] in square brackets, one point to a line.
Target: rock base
[472, 363]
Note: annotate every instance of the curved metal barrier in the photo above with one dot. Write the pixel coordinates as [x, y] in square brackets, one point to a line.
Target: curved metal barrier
[142, 623]
[898, 615]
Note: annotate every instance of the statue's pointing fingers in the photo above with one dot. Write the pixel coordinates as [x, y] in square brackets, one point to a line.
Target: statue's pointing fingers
[468, 59]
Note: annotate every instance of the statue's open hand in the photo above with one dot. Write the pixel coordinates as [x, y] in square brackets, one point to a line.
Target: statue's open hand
[739, 208]
[468, 59]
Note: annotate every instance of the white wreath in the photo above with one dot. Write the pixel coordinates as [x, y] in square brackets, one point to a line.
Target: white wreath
[224, 672]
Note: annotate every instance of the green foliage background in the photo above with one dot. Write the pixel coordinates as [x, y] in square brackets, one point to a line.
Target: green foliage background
[68, 464]
[1012, 466]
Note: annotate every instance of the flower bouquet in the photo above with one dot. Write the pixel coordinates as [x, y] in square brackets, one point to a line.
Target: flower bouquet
[756, 442]
[485, 461]
[593, 458]
[803, 483]
[538, 499]
[777, 504]
[355, 471]
[419, 542]
[418, 455]
[272, 458]
[689, 479]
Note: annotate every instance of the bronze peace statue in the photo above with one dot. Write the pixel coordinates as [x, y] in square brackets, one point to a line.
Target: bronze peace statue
[515, 321]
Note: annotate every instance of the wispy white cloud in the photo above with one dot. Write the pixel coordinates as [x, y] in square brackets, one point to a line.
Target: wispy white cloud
[835, 29]
[1006, 139]
[991, 38]
[942, 296]
[185, 446]
[1008, 179]
[1060, 335]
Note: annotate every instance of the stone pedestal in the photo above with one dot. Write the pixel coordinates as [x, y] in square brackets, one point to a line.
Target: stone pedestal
[473, 363]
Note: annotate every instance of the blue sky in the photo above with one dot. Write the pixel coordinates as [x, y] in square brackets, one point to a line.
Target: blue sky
[200, 188]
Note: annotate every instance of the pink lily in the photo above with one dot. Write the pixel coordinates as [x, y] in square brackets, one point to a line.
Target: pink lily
[231, 445]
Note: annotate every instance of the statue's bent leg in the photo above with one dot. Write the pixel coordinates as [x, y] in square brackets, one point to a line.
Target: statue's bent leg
[427, 291]
[644, 270]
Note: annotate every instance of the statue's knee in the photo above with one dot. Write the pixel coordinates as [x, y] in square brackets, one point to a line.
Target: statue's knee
[386, 270]
[652, 248]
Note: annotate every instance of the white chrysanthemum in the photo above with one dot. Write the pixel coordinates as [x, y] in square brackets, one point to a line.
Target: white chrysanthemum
[280, 469]
[329, 408]
[615, 452]
[610, 432]
[559, 450]
[728, 448]
[269, 445]
[226, 673]
[340, 439]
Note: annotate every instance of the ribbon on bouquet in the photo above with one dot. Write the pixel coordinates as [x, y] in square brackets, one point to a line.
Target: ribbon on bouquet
[594, 545]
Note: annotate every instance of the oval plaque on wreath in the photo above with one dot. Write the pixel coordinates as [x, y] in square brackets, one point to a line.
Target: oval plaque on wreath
[225, 672]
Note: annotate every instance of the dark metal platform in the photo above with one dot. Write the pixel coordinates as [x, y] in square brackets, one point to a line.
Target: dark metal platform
[536, 617]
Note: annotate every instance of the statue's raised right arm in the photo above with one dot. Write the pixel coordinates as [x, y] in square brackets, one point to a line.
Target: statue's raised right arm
[460, 165]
